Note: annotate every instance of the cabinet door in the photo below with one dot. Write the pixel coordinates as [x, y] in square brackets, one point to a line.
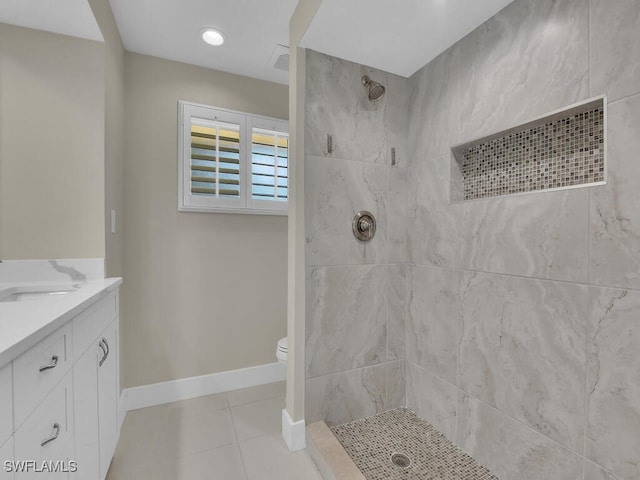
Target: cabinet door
[46, 434]
[72, 462]
[38, 370]
[88, 325]
[6, 455]
[85, 390]
[108, 391]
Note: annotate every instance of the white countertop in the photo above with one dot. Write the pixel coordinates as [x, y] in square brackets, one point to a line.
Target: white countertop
[23, 324]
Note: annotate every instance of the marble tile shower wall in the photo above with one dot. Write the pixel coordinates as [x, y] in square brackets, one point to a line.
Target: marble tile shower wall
[523, 313]
[355, 292]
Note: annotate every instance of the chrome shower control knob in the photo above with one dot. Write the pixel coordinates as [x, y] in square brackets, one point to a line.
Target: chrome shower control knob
[364, 226]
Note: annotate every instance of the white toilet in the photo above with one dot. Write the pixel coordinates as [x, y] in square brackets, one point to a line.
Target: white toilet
[281, 351]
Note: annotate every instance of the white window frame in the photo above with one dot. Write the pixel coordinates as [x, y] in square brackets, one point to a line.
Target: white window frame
[245, 203]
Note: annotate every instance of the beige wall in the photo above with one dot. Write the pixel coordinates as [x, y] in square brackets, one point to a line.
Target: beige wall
[300, 21]
[113, 135]
[203, 292]
[51, 145]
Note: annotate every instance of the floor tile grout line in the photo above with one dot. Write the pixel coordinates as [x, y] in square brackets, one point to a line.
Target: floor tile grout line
[255, 401]
[157, 458]
[175, 458]
[235, 430]
[237, 443]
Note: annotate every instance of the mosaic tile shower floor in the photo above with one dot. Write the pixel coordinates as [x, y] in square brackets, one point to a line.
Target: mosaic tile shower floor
[372, 441]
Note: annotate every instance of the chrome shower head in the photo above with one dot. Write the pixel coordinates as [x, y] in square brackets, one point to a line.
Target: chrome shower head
[376, 91]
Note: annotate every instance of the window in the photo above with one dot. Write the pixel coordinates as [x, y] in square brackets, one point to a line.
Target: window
[232, 161]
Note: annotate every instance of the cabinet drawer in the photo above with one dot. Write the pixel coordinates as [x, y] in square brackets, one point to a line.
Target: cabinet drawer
[38, 370]
[6, 404]
[46, 434]
[6, 455]
[92, 322]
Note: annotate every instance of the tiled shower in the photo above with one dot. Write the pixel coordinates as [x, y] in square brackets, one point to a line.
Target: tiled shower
[511, 323]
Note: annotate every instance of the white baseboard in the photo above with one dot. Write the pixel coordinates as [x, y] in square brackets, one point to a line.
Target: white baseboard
[293, 432]
[186, 388]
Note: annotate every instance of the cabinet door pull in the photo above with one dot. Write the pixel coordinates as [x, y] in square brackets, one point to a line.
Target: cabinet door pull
[52, 364]
[105, 349]
[104, 352]
[56, 434]
[106, 345]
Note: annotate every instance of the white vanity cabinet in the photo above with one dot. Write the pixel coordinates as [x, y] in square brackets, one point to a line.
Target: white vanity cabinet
[59, 398]
[96, 391]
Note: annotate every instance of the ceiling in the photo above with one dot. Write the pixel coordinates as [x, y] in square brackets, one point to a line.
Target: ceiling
[66, 17]
[171, 29]
[396, 36]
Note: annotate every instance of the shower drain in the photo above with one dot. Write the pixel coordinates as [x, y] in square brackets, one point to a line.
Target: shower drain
[398, 445]
[400, 460]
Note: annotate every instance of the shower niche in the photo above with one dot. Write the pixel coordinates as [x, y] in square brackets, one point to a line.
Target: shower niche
[560, 150]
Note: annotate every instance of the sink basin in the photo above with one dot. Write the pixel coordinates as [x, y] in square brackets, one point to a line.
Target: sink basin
[35, 292]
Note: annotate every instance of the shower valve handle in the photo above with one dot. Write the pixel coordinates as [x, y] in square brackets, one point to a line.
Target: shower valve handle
[364, 226]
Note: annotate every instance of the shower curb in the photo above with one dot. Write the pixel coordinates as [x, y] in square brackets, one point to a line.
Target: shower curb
[332, 460]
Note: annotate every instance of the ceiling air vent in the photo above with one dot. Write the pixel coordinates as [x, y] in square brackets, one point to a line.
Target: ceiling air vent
[280, 58]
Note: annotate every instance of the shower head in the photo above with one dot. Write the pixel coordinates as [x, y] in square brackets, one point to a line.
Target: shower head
[376, 91]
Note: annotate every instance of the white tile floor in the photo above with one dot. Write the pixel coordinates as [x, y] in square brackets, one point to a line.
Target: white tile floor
[229, 436]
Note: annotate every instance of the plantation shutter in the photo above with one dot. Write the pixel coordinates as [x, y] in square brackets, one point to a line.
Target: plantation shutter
[212, 149]
[269, 164]
[232, 161]
[215, 160]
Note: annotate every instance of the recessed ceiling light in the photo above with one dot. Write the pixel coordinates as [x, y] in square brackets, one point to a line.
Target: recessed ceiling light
[212, 37]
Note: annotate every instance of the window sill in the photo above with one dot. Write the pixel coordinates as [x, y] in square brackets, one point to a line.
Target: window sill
[241, 211]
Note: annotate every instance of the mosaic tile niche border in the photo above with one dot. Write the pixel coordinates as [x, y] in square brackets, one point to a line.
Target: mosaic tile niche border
[563, 149]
